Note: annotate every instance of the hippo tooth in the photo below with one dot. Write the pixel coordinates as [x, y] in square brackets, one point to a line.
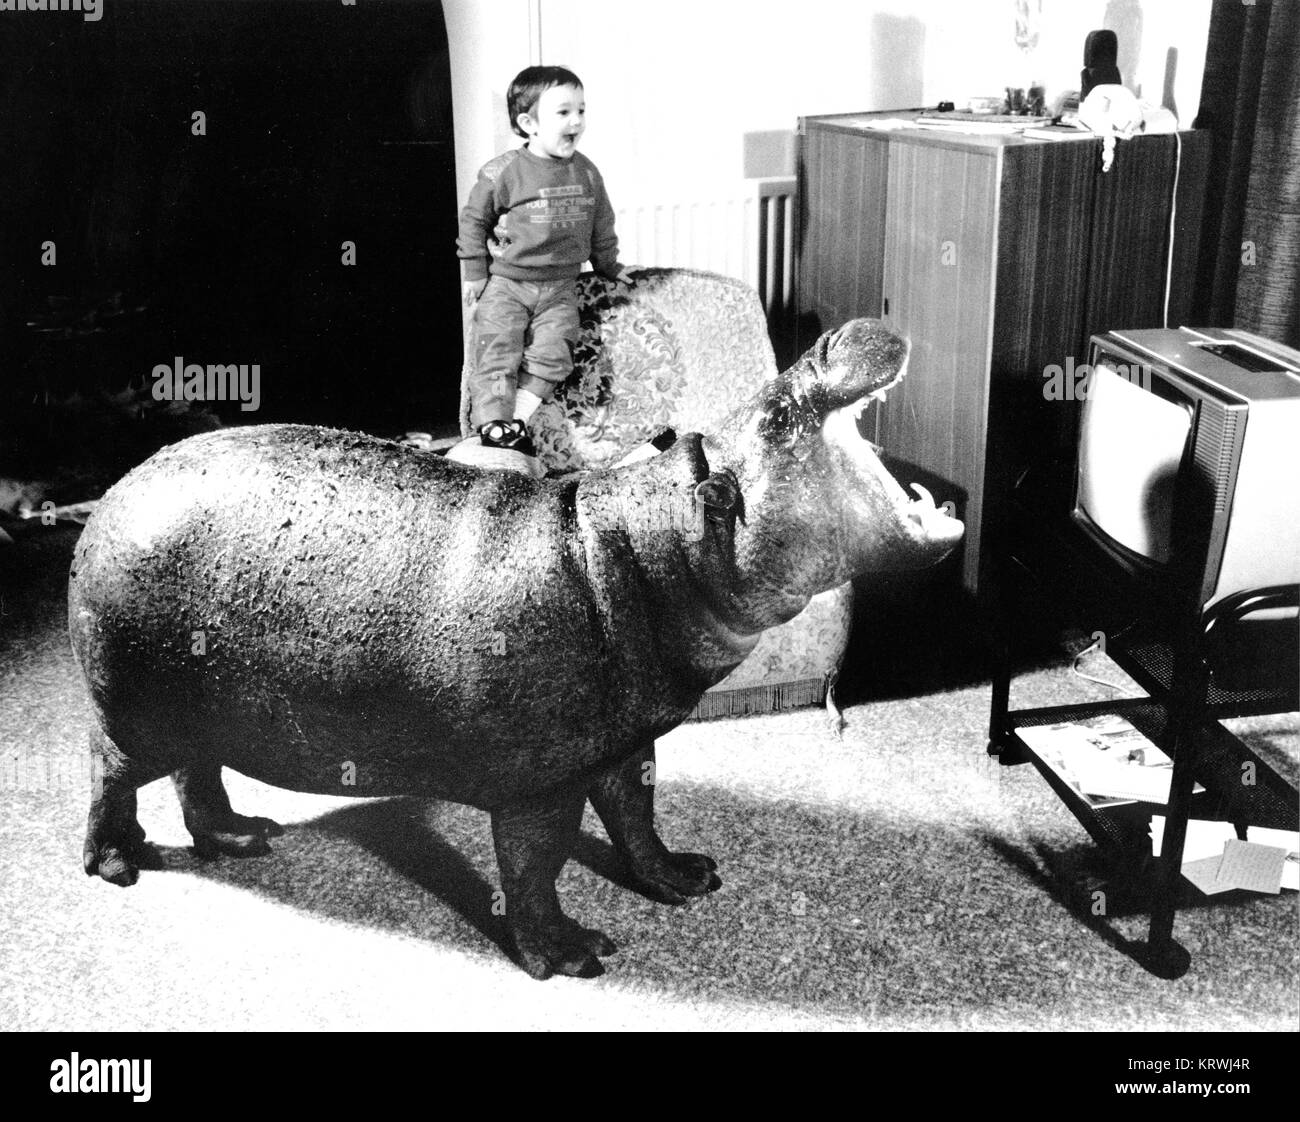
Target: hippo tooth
[924, 510]
[926, 497]
[874, 395]
[879, 393]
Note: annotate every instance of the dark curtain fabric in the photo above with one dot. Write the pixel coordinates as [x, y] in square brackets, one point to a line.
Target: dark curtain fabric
[1249, 272]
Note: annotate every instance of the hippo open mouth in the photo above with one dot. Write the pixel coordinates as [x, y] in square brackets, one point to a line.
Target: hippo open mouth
[920, 517]
[856, 366]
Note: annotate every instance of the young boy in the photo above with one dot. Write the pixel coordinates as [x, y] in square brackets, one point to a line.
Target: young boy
[535, 215]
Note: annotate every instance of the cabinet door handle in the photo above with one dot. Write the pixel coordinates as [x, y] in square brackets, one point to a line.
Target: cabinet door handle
[886, 305]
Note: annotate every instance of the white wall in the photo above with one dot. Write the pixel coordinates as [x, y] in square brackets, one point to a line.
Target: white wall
[490, 41]
[687, 98]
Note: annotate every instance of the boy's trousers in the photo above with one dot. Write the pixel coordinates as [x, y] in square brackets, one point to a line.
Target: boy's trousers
[522, 337]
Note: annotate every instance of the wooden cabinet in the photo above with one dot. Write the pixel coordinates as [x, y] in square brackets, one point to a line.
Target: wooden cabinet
[998, 257]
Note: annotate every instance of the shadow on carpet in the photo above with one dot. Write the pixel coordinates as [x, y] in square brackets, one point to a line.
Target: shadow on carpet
[826, 911]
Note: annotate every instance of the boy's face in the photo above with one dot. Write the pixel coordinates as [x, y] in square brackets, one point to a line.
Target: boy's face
[556, 122]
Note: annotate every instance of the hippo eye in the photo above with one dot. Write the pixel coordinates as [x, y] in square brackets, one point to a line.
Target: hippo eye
[789, 417]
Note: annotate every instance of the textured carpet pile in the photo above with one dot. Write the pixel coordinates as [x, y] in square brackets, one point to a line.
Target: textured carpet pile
[896, 878]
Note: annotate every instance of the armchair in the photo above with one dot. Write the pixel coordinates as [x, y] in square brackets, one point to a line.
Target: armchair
[681, 348]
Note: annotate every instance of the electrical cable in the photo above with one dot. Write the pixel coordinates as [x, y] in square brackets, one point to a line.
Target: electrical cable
[1094, 645]
[1173, 213]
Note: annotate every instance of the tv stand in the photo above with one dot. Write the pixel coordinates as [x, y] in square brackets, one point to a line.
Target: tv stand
[1167, 650]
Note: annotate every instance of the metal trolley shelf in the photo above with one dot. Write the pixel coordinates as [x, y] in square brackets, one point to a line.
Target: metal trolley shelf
[1170, 654]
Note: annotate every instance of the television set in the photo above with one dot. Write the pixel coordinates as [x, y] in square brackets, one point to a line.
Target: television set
[1187, 475]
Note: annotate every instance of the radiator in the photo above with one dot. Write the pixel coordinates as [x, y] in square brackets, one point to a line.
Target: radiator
[748, 235]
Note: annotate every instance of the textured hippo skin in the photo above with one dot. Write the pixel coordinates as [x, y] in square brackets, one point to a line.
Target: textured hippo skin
[329, 612]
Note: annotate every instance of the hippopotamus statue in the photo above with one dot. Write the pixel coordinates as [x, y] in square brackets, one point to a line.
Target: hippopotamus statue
[334, 613]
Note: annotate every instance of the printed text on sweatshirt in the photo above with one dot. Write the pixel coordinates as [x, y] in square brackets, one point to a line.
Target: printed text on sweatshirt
[531, 218]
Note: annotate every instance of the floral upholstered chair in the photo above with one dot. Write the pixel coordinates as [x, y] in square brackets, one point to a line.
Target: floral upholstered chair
[680, 349]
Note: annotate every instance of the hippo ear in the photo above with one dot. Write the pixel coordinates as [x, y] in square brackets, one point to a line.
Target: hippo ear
[718, 490]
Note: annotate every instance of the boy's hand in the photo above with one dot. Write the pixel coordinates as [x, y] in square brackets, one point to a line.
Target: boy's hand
[625, 277]
[470, 291]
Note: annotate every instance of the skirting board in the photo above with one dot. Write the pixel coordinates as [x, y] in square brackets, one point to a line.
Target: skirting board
[767, 697]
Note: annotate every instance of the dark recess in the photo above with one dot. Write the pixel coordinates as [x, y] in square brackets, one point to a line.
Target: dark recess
[325, 123]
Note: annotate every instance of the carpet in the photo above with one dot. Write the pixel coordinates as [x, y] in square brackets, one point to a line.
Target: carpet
[896, 878]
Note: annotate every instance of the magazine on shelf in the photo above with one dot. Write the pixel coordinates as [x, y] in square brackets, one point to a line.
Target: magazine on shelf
[1105, 759]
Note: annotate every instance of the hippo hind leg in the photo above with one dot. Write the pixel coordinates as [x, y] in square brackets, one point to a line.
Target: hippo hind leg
[533, 841]
[624, 798]
[214, 826]
[115, 846]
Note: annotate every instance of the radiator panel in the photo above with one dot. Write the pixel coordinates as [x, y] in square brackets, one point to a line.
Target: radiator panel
[748, 235]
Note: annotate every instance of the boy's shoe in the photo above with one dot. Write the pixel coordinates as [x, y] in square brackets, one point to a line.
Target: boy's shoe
[510, 435]
[473, 451]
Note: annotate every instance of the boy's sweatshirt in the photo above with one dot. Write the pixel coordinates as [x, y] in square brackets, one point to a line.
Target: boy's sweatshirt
[532, 218]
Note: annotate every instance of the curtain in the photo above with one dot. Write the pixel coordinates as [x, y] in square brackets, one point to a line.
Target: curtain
[1249, 273]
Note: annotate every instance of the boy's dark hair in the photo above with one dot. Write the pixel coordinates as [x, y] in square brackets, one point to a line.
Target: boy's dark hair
[530, 84]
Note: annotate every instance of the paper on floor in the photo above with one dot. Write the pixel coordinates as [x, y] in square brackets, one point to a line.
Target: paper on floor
[1256, 868]
[1205, 875]
[1216, 860]
[1284, 839]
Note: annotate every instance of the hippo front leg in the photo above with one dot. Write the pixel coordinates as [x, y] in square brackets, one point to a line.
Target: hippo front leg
[624, 798]
[533, 841]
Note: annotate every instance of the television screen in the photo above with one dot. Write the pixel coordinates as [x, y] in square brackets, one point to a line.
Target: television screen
[1130, 447]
